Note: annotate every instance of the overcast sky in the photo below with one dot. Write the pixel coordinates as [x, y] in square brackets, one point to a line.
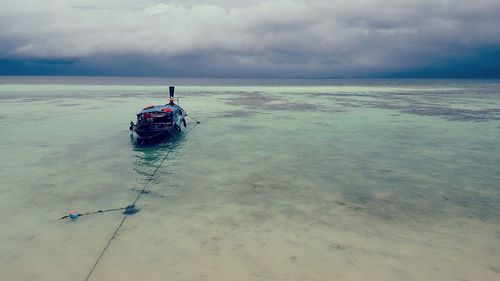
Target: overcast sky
[276, 38]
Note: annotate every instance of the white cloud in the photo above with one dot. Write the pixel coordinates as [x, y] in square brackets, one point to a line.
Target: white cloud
[318, 34]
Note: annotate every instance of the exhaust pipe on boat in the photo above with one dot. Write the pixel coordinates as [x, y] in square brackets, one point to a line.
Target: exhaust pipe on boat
[171, 90]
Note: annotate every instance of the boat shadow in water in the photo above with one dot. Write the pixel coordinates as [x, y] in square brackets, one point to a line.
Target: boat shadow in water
[149, 157]
[158, 139]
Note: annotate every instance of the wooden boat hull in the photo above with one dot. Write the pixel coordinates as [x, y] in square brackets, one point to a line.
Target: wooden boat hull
[156, 132]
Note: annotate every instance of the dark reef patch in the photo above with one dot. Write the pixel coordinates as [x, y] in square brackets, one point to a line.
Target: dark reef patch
[411, 106]
[336, 247]
[244, 127]
[294, 106]
[254, 100]
[263, 102]
[238, 113]
[70, 104]
[348, 104]
[442, 104]
[454, 113]
[150, 193]
[338, 95]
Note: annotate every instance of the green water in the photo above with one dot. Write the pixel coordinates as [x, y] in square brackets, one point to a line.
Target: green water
[282, 180]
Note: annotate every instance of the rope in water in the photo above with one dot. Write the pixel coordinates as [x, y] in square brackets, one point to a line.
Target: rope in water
[91, 213]
[197, 122]
[126, 215]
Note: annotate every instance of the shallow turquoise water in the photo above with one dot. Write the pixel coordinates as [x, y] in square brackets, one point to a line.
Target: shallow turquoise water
[282, 180]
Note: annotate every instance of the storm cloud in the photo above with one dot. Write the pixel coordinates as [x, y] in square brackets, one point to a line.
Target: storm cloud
[248, 38]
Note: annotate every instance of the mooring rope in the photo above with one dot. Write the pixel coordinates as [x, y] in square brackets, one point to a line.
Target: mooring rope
[197, 122]
[95, 212]
[125, 213]
[105, 248]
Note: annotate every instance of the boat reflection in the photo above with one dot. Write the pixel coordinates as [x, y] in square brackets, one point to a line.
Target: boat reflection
[149, 156]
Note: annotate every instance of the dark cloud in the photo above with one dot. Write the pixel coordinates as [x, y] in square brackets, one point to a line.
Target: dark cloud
[280, 38]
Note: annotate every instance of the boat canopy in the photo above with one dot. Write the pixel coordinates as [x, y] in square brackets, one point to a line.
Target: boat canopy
[160, 108]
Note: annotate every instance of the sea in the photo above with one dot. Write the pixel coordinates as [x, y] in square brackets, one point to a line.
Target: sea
[282, 179]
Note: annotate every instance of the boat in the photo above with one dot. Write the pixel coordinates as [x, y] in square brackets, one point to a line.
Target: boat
[160, 120]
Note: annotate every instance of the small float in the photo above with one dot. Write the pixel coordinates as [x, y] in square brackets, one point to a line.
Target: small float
[160, 120]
